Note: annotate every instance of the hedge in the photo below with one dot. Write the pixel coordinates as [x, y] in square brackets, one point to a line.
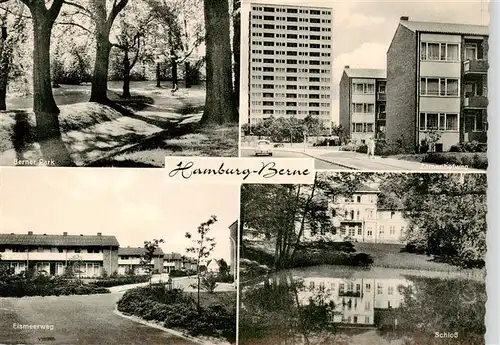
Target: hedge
[176, 310]
[471, 160]
[109, 282]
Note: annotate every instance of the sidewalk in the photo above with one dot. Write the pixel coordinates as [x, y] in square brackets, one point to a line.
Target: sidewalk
[360, 161]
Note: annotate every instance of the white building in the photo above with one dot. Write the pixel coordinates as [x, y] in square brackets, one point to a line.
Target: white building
[289, 62]
[361, 220]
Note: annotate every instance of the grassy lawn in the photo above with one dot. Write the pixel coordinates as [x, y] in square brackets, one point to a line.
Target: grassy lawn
[202, 142]
[383, 255]
[227, 299]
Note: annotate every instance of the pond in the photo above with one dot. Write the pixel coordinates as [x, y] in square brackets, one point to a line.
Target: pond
[345, 305]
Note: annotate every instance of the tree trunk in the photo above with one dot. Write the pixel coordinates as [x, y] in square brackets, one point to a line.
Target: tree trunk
[187, 74]
[236, 50]
[126, 75]
[46, 111]
[99, 91]
[173, 63]
[158, 74]
[219, 102]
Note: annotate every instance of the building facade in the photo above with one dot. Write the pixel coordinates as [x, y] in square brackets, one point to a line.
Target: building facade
[437, 84]
[130, 260]
[362, 104]
[178, 262]
[356, 300]
[289, 64]
[360, 219]
[51, 254]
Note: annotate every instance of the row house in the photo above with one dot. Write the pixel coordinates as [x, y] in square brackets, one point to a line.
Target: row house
[437, 84]
[130, 260]
[51, 254]
[362, 103]
[178, 262]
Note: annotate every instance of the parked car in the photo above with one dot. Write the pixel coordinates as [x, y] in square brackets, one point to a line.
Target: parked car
[263, 147]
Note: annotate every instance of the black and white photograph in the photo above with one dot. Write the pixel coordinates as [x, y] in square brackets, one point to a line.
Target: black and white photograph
[377, 86]
[111, 259]
[364, 258]
[117, 83]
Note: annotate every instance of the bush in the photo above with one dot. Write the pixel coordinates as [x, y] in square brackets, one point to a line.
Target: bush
[38, 285]
[476, 160]
[470, 146]
[109, 282]
[182, 273]
[361, 259]
[362, 149]
[176, 310]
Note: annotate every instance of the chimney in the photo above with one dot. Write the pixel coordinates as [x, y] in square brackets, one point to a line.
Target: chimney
[404, 18]
[99, 234]
[81, 235]
[346, 67]
[65, 233]
[30, 232]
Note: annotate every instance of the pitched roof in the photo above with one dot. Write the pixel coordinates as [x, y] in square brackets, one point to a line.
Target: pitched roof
[363, 188]
[173, 256]
[136, 251]
[366, 73]
[446, 28]
[59, 240]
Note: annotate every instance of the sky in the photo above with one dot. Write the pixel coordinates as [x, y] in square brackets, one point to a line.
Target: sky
[362, 31]
[133, 204]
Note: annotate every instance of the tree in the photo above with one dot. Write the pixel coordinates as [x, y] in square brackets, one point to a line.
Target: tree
[12, 36]
[150, 248]
[236, 49]
[103, 24]
[284, 213]
[223, 268]
[209, 282]
[338, 130]
[313, 126]
[446, 214]
[202, 248]
[44, 105]
[133, 26]
[219, 103]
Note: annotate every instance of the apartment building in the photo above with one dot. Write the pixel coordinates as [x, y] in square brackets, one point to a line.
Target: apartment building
[360, 219]
[51, 254]
[356, 300]
[290, 74]
[130, 260]
[437, 84]
[362, 104]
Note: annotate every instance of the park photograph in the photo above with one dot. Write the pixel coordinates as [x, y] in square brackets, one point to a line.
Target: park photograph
[115, 260]
[98, 83]
[364, 259]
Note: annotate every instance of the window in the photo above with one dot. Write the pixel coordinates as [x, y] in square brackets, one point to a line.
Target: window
[438, 121]
[439, 87]
[439, 51]
[369, 232]
[470, 51]
[363, 107]
[379, 289]
[390, 290]
[474, 123]
[368, 305]
[363, 88]
[392, 230]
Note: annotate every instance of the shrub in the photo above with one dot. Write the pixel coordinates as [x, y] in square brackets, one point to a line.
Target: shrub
[182, 273]
[177, 310]
[362, 149]
[361, 259]
[476, 160]
[123, 280]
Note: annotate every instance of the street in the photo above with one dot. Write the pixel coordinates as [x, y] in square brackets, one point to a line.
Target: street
[318, 164]
[87, 319]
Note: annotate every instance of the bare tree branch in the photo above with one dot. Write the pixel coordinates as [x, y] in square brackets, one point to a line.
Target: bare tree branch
[75, 24]
[117, 7]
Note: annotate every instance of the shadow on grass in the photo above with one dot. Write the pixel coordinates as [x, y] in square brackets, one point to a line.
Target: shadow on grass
[23, 134]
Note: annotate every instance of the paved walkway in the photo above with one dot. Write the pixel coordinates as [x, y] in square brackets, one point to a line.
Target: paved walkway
[360, 161]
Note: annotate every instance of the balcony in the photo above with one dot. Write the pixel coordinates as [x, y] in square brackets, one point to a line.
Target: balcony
[381, 116]
[381, 97]
[476, 102]
[347, 293]
[476, 67]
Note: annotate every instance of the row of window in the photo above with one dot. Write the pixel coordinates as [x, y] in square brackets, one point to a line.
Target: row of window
[292, 87]
[290, 53]
[290, 10]
[438, 121]
[301, 87]
[291, 62]
[366, 88]
[446, 87]
[290, 112]
[21, 249]
[365, 108]
[288, 104]
[364, 127]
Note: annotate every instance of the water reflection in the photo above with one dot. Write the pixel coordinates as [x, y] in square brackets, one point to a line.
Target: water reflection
[294, 307]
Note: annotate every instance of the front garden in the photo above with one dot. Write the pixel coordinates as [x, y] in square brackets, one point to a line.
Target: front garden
[215, 316]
